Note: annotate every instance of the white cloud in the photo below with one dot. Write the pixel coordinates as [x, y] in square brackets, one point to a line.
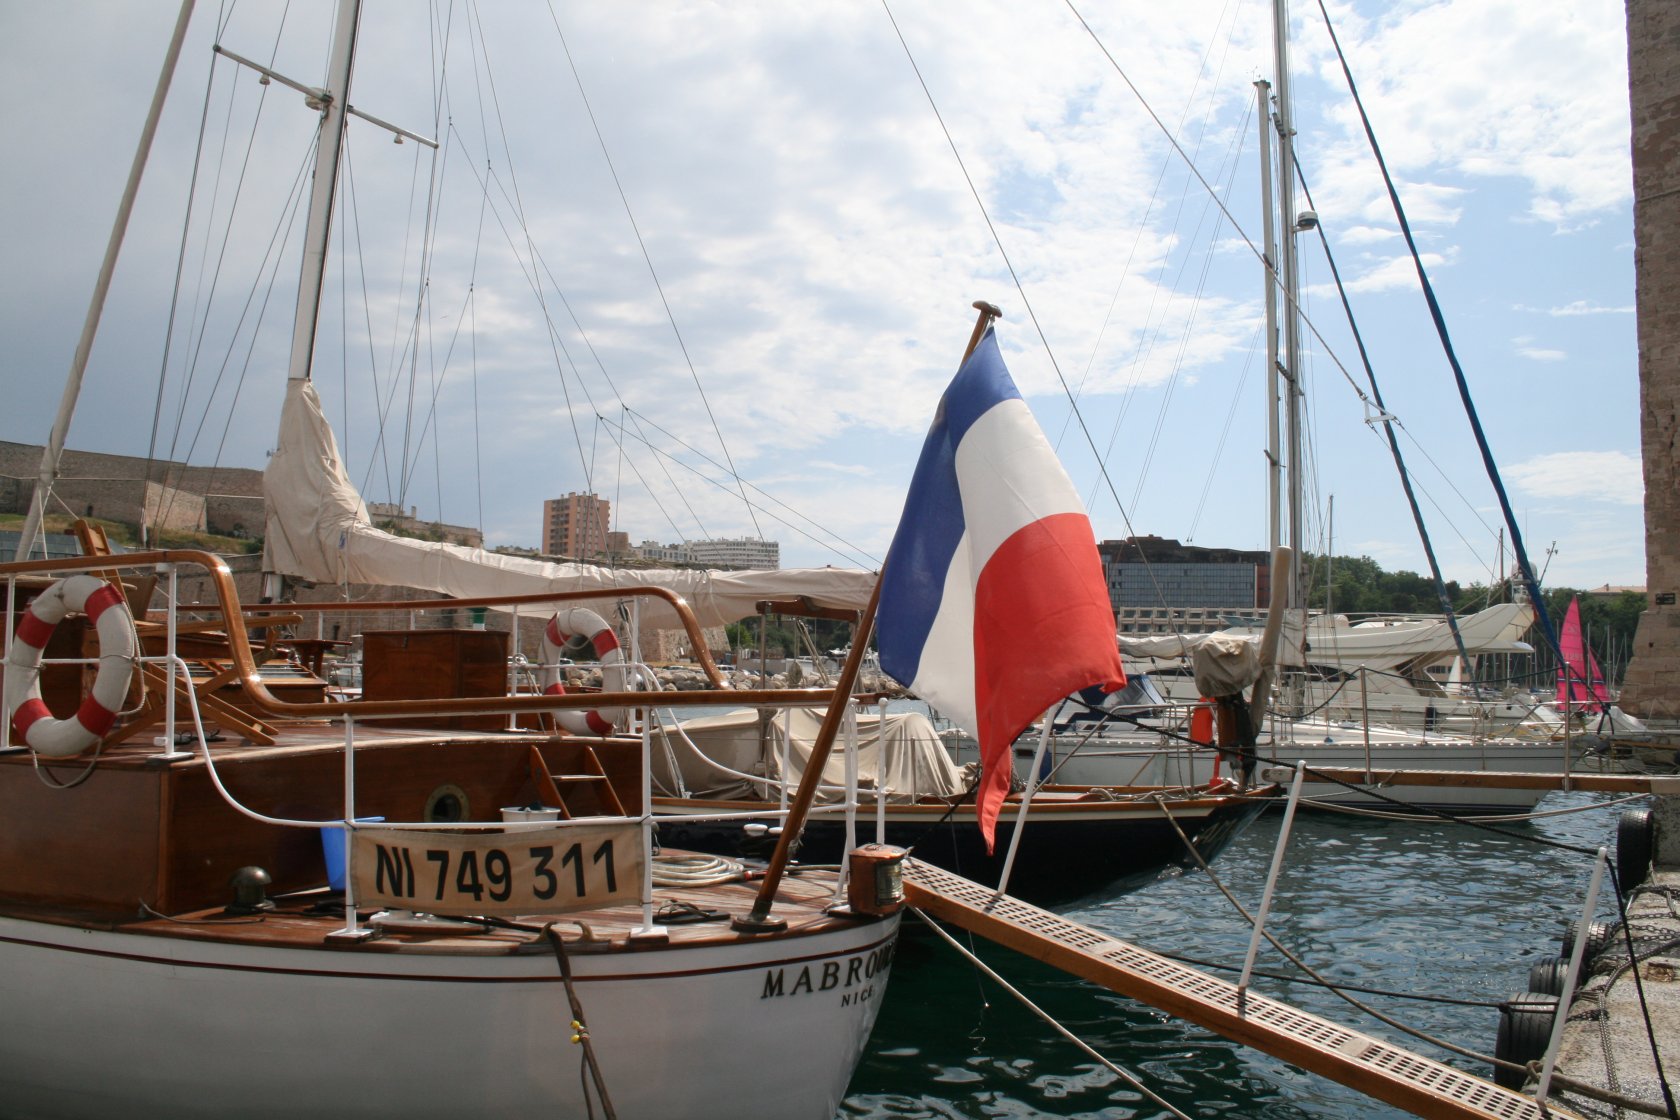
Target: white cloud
[1365, 235]
[1586, 307]
[1526, 349]
[1615, 477]
[1493, 89]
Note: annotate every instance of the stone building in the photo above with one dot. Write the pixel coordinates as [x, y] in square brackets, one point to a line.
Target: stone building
[134, 491]
[1651, 686]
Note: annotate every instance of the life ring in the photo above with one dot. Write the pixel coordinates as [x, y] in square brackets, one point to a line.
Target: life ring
[31, 722]
[571, 630]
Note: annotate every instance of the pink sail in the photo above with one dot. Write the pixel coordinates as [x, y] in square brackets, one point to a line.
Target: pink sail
[1580, 683]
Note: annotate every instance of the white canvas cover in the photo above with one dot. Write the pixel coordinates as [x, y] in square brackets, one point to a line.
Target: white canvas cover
[900, 752]
[319, 529]
[1225, 665]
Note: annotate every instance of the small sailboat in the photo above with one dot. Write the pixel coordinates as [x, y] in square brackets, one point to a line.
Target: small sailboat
[1580, 683]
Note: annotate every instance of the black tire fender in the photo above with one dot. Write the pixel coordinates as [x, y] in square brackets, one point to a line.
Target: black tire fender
[1525, 1030]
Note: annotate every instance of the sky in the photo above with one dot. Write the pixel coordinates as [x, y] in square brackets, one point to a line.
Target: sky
[714, 262]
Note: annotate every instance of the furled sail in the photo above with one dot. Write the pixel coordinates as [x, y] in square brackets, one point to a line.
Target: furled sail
[319, 529]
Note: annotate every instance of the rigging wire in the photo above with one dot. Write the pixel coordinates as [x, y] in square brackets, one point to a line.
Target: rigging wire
[648, 259]
[661, 454]
[180, 271]
[1137, 240]
[518, 204]
[1248, 242]
[533, 278]
[1184, 337]
[1224, 438]
[1439, 319]
[1019, 288]
[208, 299]
[839, 545]
[1388, 431]
[1124, 1074]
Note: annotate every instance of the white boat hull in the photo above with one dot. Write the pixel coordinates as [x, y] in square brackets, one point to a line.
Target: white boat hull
[178, 1027]
[1142, 760]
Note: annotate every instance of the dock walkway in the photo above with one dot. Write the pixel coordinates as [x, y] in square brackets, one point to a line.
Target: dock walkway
[1377, 1068]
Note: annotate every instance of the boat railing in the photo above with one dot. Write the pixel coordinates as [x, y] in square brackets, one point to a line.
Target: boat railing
[244, 669]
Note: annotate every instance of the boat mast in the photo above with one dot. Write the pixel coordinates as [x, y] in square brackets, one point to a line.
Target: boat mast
[1274, 453]
[78, 364]
[1288, 277]
[332, 101]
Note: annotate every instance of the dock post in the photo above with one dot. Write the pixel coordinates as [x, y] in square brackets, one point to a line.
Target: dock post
[1271, 884]
[1576, 952]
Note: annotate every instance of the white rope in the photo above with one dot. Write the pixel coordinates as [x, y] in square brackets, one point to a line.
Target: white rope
[695, 871]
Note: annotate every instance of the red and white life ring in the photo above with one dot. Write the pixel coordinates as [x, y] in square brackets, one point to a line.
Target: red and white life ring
[31, 722]
[581, 622]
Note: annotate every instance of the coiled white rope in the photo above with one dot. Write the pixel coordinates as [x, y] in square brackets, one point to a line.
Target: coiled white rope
[695, 871]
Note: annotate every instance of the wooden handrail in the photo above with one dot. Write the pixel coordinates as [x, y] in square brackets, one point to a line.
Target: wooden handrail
[245, 665]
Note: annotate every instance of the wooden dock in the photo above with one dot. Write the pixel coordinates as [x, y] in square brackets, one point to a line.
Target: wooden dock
[1376, 1068]
[1590, 780]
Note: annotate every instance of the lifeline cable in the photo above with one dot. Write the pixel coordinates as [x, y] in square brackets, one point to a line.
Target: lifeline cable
[1125, 1075]
[1328, 984]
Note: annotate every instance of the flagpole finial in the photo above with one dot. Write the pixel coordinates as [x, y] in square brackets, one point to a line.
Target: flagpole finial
[988, 312]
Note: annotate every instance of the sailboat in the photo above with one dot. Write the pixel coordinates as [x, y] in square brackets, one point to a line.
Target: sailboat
[1580, 683]
[1322, 721]
[910, 793]
[1399, 671]
[217, 903]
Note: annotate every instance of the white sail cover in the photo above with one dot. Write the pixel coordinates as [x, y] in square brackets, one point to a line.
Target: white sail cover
[899, 752]
[319, 529]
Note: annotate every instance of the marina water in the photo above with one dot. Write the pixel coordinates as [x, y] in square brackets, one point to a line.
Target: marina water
[1410, 906]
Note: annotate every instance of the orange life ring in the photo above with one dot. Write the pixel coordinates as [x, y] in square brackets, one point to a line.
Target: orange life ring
[31, 722]
[561, 632]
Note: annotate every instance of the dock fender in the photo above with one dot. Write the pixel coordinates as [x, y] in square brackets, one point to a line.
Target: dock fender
[571, 630]
[1636, 843]
[1548, 976]
[27, 713]
[1525, 1030]
[1599, 937]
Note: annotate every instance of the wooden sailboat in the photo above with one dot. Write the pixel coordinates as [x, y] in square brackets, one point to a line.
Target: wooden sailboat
[173, 943]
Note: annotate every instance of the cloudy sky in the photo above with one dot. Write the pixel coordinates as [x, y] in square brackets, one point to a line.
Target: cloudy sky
[714, 261]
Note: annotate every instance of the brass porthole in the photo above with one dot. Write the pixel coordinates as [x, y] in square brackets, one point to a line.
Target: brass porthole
[447, 802]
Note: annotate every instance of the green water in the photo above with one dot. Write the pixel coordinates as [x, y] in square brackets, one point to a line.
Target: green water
[1414, 907]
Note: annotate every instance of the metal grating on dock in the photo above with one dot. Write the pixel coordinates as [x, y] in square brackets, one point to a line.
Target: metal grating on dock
[1376, 1068]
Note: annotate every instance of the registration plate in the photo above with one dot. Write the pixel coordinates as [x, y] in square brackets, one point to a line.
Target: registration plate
[550, 870]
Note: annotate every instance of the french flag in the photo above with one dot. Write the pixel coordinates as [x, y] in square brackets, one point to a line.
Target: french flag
[993, 603]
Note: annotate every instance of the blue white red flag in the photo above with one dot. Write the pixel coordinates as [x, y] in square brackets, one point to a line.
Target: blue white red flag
[993, 602]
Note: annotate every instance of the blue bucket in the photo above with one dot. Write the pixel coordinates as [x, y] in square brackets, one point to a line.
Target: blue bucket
[332, 848]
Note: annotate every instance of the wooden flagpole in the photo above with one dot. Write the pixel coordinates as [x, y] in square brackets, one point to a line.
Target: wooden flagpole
[759, 920]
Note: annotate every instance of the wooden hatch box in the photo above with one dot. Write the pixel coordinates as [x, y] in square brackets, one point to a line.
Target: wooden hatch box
[436, 665]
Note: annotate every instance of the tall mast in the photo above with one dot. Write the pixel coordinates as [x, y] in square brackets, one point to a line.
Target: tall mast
[334, 101]
[1274, 453]
[1288, 277]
